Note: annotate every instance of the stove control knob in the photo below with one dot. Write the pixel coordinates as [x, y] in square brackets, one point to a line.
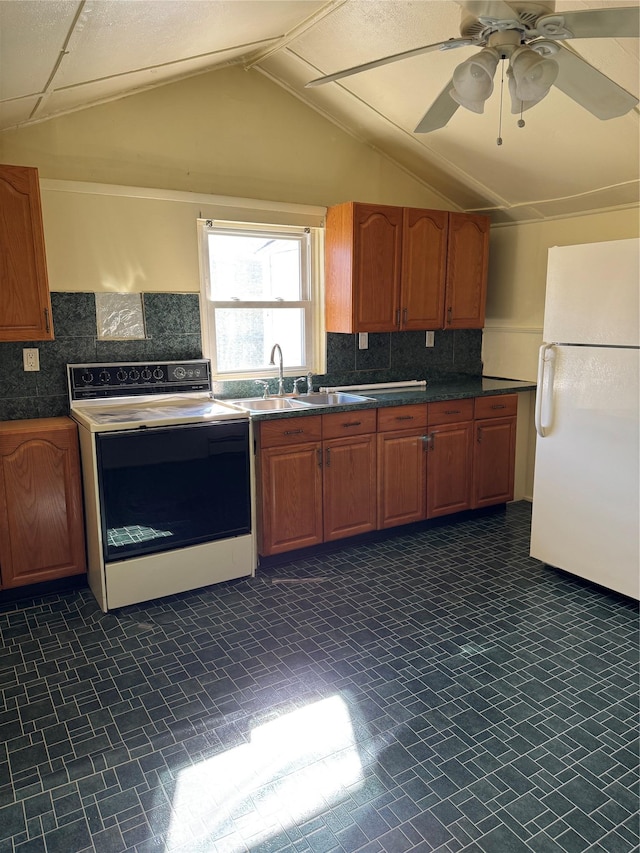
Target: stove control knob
[179, 373]
[122, 375]
[146, 374]
[158, 374]
[134, 374]
[104, 376]
[87, 377]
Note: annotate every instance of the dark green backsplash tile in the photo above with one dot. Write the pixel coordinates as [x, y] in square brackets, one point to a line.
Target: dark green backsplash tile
[53, 407]
[341, 352]
[51, 379]
[377, 356]
[17, 408]
[172, 313]
[113, 351]
[467, 351]
[74, 314]
[177, 347]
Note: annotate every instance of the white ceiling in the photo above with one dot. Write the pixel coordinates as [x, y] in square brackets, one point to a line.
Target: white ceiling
[58, 56]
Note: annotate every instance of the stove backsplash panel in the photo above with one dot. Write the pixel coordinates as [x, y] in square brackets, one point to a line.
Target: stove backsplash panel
[173, 331]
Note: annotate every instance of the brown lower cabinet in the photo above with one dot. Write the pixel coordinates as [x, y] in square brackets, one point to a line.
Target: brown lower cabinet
[41, 516]
[494, 449]
[312, 490]
[326, 477]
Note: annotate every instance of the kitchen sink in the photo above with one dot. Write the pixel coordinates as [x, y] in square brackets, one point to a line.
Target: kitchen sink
[272, 404]
[334, 399]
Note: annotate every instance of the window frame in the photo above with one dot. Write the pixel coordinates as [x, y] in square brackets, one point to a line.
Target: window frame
[311, 239]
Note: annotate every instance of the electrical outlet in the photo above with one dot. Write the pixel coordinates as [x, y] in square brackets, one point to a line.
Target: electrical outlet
[363, 340]
[430, 339]
[31, 359]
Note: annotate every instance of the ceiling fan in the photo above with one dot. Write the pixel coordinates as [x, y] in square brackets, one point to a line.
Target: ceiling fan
[529, 35]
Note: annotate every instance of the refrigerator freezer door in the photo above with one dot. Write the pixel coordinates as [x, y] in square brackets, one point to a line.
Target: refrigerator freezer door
[592, 294]
[586, 488]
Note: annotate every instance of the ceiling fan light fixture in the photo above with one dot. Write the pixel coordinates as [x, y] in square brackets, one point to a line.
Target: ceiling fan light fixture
[473, 80]
[532, 75]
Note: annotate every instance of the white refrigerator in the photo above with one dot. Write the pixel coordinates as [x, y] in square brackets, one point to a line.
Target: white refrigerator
[586, 505]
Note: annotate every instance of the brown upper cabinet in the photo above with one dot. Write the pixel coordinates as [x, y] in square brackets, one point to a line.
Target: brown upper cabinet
[403, 268]
[25, 304]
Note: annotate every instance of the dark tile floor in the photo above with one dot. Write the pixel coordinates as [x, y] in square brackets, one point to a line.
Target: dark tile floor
[438, 690]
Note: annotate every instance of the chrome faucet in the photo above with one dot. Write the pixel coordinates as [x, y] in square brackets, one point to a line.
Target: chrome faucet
[280, 369]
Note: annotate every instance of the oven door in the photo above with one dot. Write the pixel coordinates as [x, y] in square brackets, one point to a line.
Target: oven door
[169, 487]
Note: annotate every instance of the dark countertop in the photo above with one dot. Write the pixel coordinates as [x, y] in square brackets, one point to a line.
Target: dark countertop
[453, 389]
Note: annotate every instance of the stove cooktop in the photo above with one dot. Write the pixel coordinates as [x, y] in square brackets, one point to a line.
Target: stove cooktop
[132, 396]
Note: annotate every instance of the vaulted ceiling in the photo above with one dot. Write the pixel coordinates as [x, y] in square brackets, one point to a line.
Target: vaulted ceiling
[58, 56]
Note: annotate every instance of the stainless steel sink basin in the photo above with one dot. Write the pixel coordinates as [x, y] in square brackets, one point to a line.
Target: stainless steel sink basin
[334, 399]
[272, 404]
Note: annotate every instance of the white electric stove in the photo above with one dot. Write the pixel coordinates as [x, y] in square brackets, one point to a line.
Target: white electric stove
[167, 480]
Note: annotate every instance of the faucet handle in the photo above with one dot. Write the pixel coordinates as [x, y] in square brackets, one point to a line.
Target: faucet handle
[296, 390]
[309, 383]
[265, 388]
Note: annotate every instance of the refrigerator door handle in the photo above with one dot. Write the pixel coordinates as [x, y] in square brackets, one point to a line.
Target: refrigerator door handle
[544, 395]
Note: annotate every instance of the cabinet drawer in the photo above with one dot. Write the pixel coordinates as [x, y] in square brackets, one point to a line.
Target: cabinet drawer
[290, 431]
[402, 417]
[344, 424]
[450, 411]
[498, 406]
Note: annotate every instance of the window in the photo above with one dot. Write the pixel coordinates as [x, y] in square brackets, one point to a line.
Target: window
[260, 287]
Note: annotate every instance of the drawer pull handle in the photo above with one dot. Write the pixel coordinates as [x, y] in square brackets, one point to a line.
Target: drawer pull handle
[498, 406]
[46, 320]
[328, 457]
[452, 411]
[293, 431]
[351, 423]
[404, 417]
[319, 457]
[479, 435]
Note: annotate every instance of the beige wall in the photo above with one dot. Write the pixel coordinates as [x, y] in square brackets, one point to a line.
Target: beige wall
[230, 132]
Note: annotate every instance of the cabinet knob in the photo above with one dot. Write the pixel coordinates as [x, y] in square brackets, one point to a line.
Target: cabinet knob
[449, 313]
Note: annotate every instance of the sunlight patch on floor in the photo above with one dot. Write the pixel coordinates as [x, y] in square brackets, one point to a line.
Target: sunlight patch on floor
[294, 767]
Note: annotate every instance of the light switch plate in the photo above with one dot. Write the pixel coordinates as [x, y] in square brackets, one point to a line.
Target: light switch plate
[363, 340]
[429, 340]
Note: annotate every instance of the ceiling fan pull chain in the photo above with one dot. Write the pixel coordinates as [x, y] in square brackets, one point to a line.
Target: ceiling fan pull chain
[521, 120]
[499, 139]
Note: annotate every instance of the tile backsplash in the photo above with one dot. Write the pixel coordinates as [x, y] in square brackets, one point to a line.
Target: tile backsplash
[173, 332]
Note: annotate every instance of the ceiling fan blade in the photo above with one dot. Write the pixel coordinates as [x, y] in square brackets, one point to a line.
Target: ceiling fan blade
[376, 63]
[592, 23]
[593, 90]
[439, 112]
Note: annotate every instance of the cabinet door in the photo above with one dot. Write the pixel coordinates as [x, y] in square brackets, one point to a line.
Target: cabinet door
[349, 486]
[377, 247]
[467, 264]
[424, 256]
[449, 469]
[291, 497]
[493, 461]
[402, 465]
[41, 520]
[25, 306]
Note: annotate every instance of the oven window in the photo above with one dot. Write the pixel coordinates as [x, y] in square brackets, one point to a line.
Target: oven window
[167, 488]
